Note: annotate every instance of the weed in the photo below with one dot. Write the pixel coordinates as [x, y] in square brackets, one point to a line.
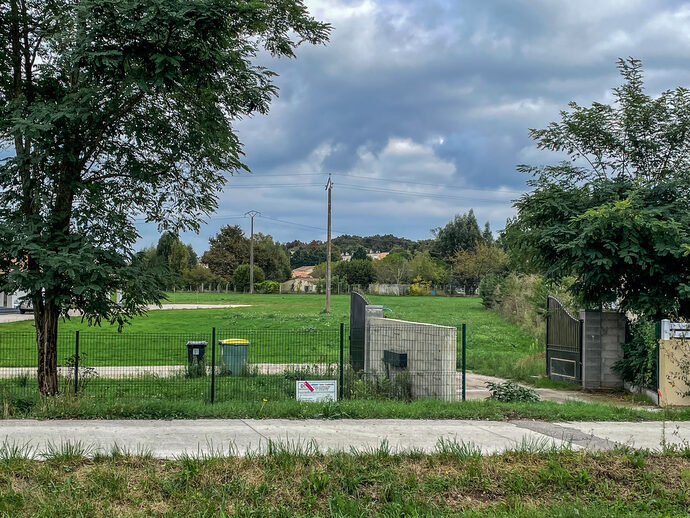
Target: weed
[66, 451]
[509, 392]
[451, 448]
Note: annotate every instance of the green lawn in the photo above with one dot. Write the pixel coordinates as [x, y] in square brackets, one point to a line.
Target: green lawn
[297, 480]
[281, 328]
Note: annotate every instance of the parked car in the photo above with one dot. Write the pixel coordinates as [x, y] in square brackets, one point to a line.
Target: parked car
[26, 305]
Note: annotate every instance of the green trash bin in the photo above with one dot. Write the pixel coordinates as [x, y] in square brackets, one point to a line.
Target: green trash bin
[234, 353]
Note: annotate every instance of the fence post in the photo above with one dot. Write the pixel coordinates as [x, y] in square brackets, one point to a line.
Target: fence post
[76, 362]
[340, 384]
[464, 358]
[213, 365]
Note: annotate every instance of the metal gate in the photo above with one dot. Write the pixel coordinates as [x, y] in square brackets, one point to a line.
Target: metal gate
[358, 306]
[563, 343]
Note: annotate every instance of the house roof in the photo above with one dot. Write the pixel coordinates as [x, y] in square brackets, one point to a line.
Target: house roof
[302, 272]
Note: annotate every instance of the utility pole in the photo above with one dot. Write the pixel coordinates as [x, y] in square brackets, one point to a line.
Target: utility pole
[329, 188]
[251, 214]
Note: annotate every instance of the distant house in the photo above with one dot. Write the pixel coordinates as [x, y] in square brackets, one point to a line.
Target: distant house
[300, 285]
[374, 256]
[377, 256]
[302, 272]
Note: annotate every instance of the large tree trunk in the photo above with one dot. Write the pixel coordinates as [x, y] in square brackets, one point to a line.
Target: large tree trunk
[46, 321]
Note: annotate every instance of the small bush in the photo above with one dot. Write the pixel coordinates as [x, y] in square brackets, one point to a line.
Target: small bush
[86, 374]
[509, 392]
[420, 288]
[268, 287]
[489, 288]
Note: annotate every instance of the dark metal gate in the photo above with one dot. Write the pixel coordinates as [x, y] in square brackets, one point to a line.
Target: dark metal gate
[563, 343]
[358, 306]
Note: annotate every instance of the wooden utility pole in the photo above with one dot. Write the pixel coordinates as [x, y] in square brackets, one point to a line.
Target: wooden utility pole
[251, 214]
[329, 188]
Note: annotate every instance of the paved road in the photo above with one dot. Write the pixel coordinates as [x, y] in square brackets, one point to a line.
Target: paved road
[167, 439]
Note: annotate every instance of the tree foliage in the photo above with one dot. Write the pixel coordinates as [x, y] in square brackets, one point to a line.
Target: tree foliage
[116, 110]
[461, 233]
[469, 266]
[240, 278]
[227, 250]
[230, 248]
[423, 267]
[356, 272]
[615, 215]
[393, 269]
[311, 254]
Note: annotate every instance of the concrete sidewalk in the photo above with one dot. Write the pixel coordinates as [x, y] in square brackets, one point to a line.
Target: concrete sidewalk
[167, 439]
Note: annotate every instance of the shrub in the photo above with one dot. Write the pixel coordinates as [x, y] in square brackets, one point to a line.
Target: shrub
[420, 288]
[268, 287]
[489, 288]
[638, 365]
[511, 392]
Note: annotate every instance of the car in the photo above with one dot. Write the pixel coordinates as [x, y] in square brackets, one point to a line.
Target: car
[26, 305]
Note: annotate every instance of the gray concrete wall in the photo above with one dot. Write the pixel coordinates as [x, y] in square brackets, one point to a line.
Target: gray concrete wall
[431, 354]
[389, 289]
[603, 338]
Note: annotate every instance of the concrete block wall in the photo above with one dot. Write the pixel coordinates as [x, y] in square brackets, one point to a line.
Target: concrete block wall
[602, 341]
[431, 354]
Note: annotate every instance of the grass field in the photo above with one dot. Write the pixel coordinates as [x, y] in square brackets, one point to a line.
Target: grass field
[534, 480]
[289, 325]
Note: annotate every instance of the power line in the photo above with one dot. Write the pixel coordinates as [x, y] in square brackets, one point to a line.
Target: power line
[374, 189]
[416, 193]
[375, 179]
[311, 227]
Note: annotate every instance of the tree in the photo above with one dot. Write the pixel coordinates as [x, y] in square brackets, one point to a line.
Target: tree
[227, 250]
[240, 279]
[271, 257]
[360, 254]
[487, 235]
[470, 266]
[117, 110]
[356, 272]
[392, 269]
[461, 233]
[615, 215]
[312, 254]
[198, 275]
[422, 266]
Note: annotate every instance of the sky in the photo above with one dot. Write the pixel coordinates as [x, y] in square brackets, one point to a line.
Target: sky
[420, 109]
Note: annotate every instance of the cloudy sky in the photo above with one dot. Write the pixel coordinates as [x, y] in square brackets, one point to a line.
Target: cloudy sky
[420, 108]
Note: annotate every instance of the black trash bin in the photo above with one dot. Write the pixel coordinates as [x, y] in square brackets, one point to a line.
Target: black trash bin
[196, 358]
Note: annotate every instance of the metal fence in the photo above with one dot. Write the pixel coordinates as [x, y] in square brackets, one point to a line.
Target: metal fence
[216, 365]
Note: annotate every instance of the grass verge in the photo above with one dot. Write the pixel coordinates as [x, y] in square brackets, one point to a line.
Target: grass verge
[88, 407]
[291, 480]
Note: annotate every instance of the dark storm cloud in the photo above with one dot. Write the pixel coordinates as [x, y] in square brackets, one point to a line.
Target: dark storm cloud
[436, 92]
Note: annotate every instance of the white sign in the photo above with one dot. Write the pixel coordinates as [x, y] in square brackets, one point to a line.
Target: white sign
[317, 391]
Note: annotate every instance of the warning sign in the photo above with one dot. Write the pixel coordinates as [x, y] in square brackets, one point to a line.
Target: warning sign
[317, 391]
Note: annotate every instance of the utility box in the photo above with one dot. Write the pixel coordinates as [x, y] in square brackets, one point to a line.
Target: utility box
[234, 353]
[196, 352]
